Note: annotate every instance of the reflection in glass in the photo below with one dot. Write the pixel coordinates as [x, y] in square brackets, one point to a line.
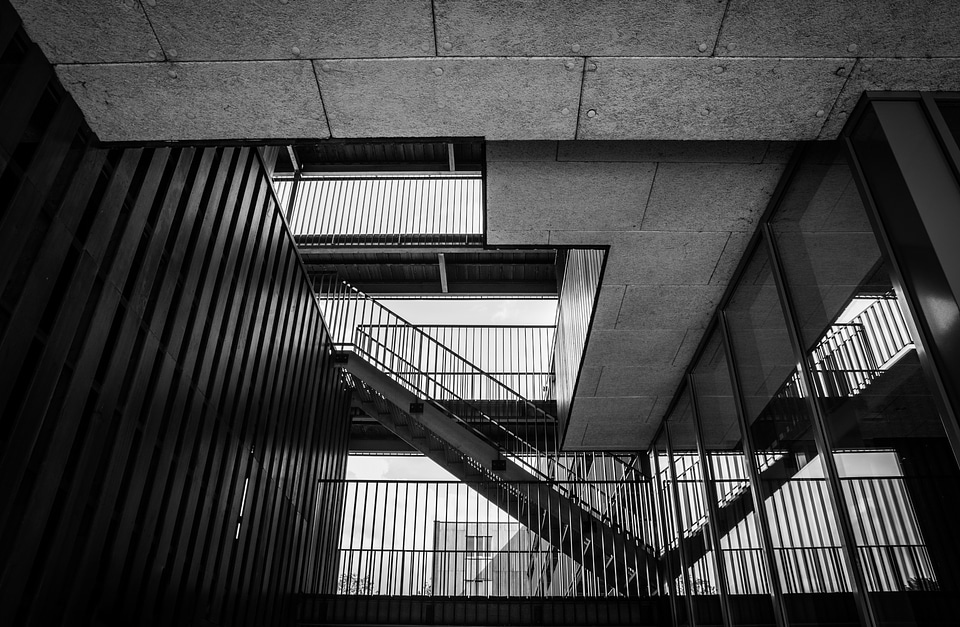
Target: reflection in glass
[701, 576]
[898, 476]
[805, 537]
[674, 578]
[741, 549]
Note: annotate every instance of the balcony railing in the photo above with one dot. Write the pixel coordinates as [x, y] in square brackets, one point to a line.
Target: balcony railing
[388, 210]
[851, 355]
[518, 357]
[416, 538]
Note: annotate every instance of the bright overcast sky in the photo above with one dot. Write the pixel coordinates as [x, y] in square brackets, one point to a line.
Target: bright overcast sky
[518, 312]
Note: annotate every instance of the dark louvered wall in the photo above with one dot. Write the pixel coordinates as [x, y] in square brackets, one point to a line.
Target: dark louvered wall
[160, 350]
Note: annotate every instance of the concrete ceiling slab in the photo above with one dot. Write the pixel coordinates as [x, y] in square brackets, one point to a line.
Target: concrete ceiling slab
[733, 251]
[663, 151]
[93, 31]
[704, 99]
[655, 258]
[873, 74]
[633, 380]
[814, 28]
[709, 197]
[587, 384]
[608, 306]
[536, 150]
[517, 238]
[651, 306]
[517, 98]
[253, 30]
[599, 196]
[542, 28]
[642, 347]
[620, 421]
[198, 101]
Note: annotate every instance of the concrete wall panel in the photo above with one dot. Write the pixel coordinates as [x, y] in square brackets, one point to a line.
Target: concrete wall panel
[891, 75]
[814, 28]
[193, 101]
[633, 380]
[567, 196]
[253, 30]
[608, 306]
[646, 306]
[623, 348]
[542, 28]
[663, 151]
[697, 99]
[622, 426]
[652, 258]
[93, 31]
[709, 197]
[518, 98]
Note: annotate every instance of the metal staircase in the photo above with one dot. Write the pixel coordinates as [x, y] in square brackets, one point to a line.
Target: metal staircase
[849, 358]
[440, 404]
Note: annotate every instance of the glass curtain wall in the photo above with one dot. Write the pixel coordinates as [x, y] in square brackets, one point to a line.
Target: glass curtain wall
[809, 402]
[733, 517]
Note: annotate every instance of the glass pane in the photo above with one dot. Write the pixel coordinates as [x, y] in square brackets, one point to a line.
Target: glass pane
[695, 537]
[669, 548]
[741, 550]
[900, 480]
[803, 529]
[951, 113]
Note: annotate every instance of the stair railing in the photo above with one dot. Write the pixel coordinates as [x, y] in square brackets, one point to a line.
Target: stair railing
[433, 371]
[359, 323]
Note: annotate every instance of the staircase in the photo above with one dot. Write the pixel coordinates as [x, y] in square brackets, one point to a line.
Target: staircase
[847, 362]
[509, 457]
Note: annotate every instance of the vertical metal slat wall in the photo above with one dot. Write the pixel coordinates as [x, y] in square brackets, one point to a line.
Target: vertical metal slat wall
[169, 406]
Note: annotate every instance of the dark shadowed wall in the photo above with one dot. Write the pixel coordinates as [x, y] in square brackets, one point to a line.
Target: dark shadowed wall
[167, 399]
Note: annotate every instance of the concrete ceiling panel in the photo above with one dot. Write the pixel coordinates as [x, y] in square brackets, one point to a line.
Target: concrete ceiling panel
[733, 251]
[655, 258]
[892, 75]
[643, 347]
[253, 30]
[93, 31]
[542, 28]
[663, 151]
[814, 28]
[587, 384]
[709, 197]
[522, 151]
[687, 348]
[608, 306]
[198, 101]
[613, 422]
[616, 437]
[518, 98]
[637, 380]
[707, 99]
[654, 306]
[567, 196]
[517, 238]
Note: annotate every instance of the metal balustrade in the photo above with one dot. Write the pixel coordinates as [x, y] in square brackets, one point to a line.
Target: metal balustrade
[851, 355]
[358, 323]
[512, 426]
[386, 210]
[808, 552]
[416, 538]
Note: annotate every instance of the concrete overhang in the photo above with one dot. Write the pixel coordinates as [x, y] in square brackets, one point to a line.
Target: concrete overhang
[667, 70]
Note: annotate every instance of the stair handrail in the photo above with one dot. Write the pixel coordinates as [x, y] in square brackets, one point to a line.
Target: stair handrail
[344, 327]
